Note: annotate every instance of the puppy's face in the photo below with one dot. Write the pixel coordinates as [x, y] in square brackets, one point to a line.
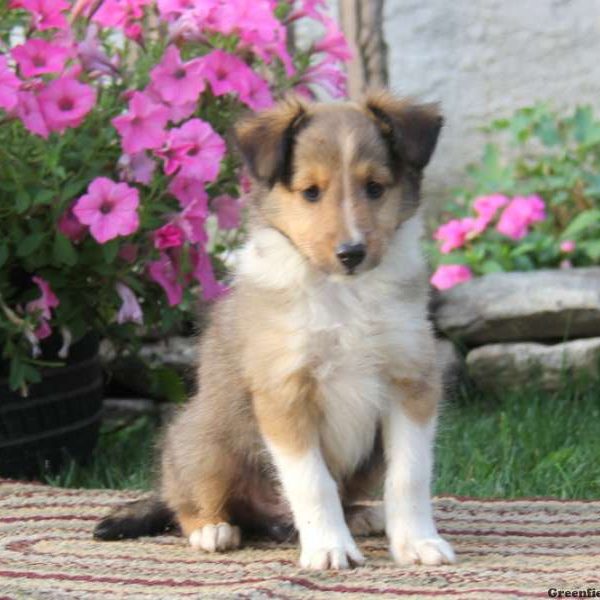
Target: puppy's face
[338, 180]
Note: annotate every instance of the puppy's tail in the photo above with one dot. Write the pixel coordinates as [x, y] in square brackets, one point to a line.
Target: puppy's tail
[150, 516]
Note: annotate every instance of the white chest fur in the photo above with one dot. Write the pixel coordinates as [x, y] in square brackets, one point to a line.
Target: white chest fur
[352, 334]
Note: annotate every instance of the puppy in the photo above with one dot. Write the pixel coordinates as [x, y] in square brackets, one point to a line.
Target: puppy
[318, 373]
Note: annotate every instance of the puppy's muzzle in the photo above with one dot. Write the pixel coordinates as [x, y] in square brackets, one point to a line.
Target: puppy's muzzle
[351, 255]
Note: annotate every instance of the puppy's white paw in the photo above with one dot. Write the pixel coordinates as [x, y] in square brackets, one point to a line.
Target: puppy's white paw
[340, 554]
[425, 551]
[216, 538]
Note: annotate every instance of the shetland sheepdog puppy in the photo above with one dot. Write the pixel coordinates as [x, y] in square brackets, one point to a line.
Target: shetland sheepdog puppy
[319, 381]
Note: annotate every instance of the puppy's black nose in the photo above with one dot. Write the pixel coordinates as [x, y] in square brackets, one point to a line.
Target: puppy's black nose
[351, 255]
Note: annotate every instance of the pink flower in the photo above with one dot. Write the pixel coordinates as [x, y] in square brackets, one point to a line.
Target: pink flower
[565, 264]
[334, 43]
[204, 149]
[255, 93]
[177, 82]
[228, 211]
[174, 153]
[47, 14]
[171, 9]
[187, 189]
[128, 253]
[519, 215]
[143, 126]
[308, 8]
[137, 167]
[225, 72]
[9, 86]
[163, 272]
[93, 59]
[568, 246]
[109, 208]
[37, 56]
[487, 206]
[43, 306]
[327, 76]
[122, 14]
[447, 276]
[191, 221]
[168, 236]
[204, 274]
[30, 113]
[130, 310]
[70, 226]
[65, 102]
[454, 234]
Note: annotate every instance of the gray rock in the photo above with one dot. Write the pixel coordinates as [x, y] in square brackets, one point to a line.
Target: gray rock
[503, 366]
[547, 305]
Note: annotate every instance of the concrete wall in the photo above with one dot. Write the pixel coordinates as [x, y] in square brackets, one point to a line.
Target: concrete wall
[484, 58]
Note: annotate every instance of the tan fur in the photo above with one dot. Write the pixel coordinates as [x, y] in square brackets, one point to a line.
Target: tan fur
[261, 378]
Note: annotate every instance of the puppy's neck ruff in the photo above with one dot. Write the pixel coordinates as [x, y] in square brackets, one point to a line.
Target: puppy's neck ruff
[270, 260]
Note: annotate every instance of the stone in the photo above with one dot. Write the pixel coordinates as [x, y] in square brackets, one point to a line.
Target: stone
[545, 305]
[497, 367]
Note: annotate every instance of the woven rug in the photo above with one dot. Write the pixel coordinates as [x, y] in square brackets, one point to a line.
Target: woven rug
[517, 549]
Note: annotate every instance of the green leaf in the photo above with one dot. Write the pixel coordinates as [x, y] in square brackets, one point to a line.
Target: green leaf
[63, 250]
[16, 377]
[591, 248]
[168, 384]
[110, 251]
[44, 197]
[583, 221]
[30, 244]
[22, 201]
[72, 189]
[491, 266]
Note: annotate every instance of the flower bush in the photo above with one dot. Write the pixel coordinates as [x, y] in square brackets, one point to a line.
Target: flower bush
[533, 203]
[117, 193]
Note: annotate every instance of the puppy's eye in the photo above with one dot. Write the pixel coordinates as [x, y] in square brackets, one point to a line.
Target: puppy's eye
[312, 193]
[374, 190]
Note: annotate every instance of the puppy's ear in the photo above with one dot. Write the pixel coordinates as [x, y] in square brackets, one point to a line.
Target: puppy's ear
[266, 140]
[411, 130]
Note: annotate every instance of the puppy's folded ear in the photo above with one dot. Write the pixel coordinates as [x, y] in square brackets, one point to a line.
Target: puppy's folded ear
[411, 130]
[266, 140]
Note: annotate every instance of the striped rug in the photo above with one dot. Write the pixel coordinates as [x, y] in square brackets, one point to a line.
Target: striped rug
[508, 549]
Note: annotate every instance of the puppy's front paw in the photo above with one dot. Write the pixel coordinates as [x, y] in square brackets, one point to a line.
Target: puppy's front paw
[339, 553]
[216, 538]
[426, 551]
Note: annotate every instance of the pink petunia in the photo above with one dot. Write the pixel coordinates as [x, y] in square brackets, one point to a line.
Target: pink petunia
[308, 8]
[174, 153]
[42, 306]
[171, 9]
[203, 272]
[205, 149]
[92, 57]
[124, 14]
[65, 102]
[109, 208]
[192, 220]
[334, 43]
[187, 189]
[175, 81]
[327, 76]
[130, 311]
[567, 247]
[519, 215]
[224, 72]
[447, 276]
[486, 207]
[137, 167]
[46, 14]
[168, 236]
[37, 57]
[9, 86]
[228, 211]
[164, 272]
[30, 113]
[143, 126]
[255, 93]
[70, 226]
[455, 233]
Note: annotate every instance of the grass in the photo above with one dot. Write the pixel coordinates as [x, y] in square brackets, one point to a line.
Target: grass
[522, 444]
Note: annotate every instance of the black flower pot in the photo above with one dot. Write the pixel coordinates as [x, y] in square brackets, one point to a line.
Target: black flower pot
[60, 418]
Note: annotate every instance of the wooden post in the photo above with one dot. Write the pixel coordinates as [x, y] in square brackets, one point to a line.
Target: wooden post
[362, 23]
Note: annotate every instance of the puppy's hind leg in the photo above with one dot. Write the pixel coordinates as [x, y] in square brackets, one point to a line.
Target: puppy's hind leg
[206, 521]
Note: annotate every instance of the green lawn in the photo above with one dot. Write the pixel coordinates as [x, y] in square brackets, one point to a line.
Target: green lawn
[526, 444]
